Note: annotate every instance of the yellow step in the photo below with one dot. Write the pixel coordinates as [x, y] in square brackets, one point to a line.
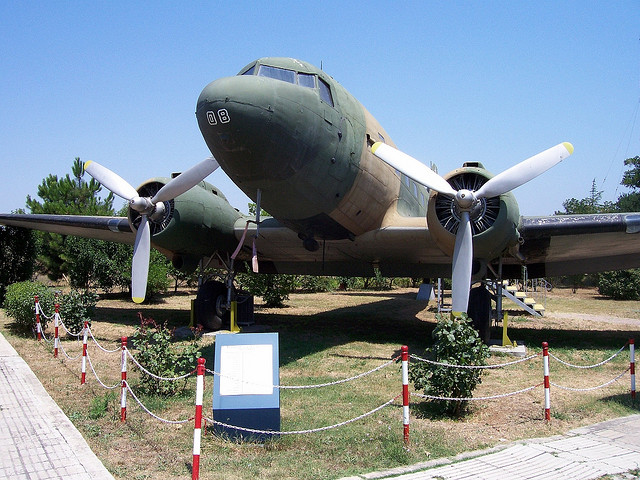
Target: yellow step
[529, 301]
[538, 307]
[521, 295]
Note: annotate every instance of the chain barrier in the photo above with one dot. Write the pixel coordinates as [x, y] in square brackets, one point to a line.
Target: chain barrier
[479, 367]
[592, 388]
[67, 355]
[95, 374]
[100, 346]
[468, 399]
[312, 430]
[302, 387]
[149, 412]
[589, 366]
[153, 375]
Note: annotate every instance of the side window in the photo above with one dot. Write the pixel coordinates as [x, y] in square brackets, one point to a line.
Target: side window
[250, 71]
[325, 92]
[306, 80]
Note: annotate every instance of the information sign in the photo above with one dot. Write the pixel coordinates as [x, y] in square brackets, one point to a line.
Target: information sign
[244, 392]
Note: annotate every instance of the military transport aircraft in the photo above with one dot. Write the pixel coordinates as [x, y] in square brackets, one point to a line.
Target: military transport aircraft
[344, 201]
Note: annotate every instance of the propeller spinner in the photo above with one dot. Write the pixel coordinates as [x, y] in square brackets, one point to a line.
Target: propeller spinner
[465, 201]
[148, 207]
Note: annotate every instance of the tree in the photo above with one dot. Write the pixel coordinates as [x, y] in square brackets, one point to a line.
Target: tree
[630, 202]
[590, 204]
[17, 256]
[71, 196]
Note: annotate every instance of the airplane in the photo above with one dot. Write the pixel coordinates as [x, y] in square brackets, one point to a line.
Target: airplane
[343, 200]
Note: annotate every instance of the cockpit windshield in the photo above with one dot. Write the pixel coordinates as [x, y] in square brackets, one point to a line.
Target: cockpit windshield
[303, 79]
[307, 80]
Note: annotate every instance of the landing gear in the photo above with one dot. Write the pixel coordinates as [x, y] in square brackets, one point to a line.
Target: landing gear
[211, 307]
[480, 311]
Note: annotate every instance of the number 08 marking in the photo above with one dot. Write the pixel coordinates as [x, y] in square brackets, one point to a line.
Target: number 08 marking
[221, 115]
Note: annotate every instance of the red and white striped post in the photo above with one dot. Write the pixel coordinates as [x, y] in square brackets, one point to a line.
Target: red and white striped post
[547, 393]
[405, 394]
[38, 324]
[632, 367]
[197, 431]
[56, 339]
[85, 336]
[123, 394]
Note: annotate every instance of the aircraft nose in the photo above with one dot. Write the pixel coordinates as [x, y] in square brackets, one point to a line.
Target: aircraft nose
[234, 115]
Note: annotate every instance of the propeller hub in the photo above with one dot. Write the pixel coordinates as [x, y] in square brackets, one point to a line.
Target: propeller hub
[465, 200]
[142, 205]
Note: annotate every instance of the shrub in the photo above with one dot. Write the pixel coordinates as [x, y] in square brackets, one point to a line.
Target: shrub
[456, 342]
[620, 285]
[76, 307]
[19, 304]
[273, 288]
[161, 357]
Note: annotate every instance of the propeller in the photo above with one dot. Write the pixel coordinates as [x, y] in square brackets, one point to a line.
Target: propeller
[148, 207]
[465, 200]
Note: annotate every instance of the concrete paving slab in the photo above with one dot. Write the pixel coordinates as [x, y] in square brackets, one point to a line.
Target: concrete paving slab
[37, 439]
[607, 448]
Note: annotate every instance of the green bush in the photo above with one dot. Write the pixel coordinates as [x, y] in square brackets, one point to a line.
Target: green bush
[620, 285]
[273, 288]
[456, 342]
[76, 307]
[19, 304]
[159, 355]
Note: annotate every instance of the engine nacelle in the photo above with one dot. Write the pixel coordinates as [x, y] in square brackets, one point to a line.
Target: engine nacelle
[195, 224]
[494, 220]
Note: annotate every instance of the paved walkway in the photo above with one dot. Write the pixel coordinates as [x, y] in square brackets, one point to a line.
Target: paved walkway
[607, 448]
[37, 440]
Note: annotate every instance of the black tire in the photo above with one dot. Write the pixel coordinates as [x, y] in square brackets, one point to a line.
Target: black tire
[480, 311]
[211, 297]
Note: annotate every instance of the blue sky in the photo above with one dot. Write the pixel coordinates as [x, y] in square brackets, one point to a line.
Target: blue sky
[496, 82]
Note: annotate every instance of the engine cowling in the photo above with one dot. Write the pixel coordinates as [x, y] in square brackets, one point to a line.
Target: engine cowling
[494, 220]
[195, 224]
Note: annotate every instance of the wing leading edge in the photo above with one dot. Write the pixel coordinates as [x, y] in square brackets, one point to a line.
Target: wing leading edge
[113, 229]
[574, 244]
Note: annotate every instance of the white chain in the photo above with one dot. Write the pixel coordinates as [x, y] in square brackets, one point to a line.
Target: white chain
[443, 364]
[101, 347]
[67, 355]
[589, 366]
[299, 432]
[95, 374]
[153, 375]
[173, 422]
[69, 332]
[39, 308]
[467, 399]
[591, 388]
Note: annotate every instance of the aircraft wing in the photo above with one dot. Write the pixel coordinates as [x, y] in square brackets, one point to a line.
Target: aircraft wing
[113, 229]
[573, 244]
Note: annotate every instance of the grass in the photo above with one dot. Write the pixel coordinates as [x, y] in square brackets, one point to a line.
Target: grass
[324, 337]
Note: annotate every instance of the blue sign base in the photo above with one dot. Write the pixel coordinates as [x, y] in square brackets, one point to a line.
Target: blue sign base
[254, 418]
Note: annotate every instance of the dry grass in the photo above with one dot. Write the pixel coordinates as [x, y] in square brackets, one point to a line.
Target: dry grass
[335, 335]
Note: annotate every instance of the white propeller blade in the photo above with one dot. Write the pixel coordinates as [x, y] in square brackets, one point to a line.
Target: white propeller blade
[462, 265]
[524, 171]
[186, 180]
[140, 263]
[111, 180]
[412, 168]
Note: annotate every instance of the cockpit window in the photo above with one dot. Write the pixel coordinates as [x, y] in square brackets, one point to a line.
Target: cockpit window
[277, 73]
[250, 71]
[325, 92]
[306, 80]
